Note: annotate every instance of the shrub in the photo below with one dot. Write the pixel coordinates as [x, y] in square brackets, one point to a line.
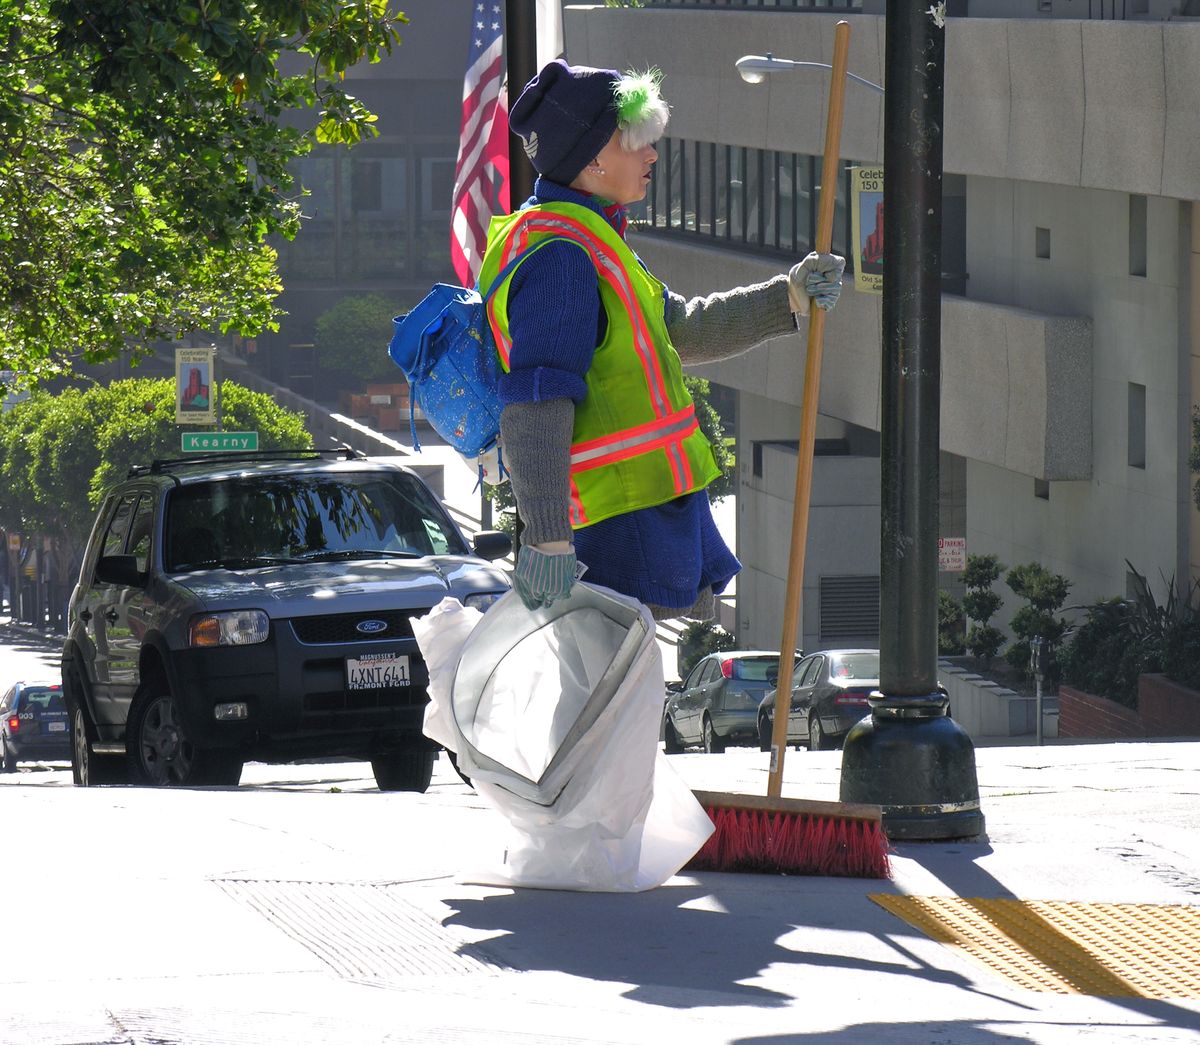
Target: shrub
[950, 625]
[1044, 593]
[699, 639]
[979, 603]
[352, 339]
[1122, 639]
[1100, 658]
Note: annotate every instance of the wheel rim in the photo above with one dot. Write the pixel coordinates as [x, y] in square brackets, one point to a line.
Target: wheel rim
[79, 742]
[166, 754]
[708, 735]
[815, 736]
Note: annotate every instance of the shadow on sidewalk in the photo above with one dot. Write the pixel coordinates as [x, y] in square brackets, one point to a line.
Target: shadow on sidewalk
[695, 944]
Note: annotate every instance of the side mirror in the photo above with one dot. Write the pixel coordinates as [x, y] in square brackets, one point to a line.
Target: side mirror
[492, 544]
[773, 677]
[120, 569]
[675, 687]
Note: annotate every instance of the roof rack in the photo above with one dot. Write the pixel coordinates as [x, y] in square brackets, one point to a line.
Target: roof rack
[163, 465]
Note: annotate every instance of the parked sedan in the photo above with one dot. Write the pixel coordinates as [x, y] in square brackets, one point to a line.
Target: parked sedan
[829, 694]
[33, 725]
[717, 703]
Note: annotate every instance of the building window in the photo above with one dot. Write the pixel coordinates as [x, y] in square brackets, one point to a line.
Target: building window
[760, 199]
[1137, 426]
[1137, 235]
[1042, 242]
[766, 201]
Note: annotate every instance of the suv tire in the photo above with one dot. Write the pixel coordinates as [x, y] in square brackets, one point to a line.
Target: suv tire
[87, 768]
[159, 751]
[405, 768]
[9, 759]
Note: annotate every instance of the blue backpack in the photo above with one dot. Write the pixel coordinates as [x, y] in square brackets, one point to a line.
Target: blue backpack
[446, 350]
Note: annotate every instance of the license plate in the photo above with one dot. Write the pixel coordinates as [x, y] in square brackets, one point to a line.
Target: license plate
[377, 671]
[56, 727]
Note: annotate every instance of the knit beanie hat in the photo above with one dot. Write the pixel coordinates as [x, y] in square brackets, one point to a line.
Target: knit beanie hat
[567, 113]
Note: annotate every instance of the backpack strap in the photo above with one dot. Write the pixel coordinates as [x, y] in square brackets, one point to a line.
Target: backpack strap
[513, 262]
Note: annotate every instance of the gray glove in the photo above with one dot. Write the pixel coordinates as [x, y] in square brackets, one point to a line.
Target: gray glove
[544, 576]
[819, 278]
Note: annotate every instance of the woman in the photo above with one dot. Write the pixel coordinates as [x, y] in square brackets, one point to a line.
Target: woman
[607, 462]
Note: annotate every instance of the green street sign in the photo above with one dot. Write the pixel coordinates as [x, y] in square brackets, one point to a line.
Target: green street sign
[216, 442]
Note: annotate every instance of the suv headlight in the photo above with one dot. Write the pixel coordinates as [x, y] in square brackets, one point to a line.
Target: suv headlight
[234, 628]
[482, 600]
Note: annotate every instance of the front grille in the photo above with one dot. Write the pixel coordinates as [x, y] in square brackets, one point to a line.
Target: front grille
[343, 627]
[363, 699]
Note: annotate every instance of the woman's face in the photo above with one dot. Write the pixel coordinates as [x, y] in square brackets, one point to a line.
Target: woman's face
[626, 174]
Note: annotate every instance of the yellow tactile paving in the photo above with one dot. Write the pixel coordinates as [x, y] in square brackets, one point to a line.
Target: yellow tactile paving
[1114, 950]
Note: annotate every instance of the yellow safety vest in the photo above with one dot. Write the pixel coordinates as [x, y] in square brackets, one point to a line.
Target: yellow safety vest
[636, 441]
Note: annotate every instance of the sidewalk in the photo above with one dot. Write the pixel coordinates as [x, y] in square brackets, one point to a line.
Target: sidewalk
[343, 915]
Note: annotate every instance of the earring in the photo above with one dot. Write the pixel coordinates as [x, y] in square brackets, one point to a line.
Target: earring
[598, 171]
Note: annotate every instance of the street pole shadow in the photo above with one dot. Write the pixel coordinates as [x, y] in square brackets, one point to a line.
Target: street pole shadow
[957, 866]
[697, 941]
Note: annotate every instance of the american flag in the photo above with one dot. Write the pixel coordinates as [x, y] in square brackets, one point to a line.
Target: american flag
[481, 175]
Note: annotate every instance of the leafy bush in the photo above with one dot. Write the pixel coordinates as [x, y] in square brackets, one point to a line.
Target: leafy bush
[352, 339]
[979, 603]
[699, 639]
[1100, 658]
[950, 625]
[1122, 639]
[1044, 593]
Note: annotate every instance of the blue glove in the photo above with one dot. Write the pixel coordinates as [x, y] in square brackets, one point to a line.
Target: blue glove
[819, 278]
[543, 577]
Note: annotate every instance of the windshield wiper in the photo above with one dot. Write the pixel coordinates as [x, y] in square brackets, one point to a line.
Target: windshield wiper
[360, 553]
[237, 563]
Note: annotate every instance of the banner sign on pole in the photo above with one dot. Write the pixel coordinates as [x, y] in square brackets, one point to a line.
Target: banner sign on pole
[866, 217]
[195, 393]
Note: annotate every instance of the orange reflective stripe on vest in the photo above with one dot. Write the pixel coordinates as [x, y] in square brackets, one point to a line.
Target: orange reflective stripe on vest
[636, 441]
[609, 268]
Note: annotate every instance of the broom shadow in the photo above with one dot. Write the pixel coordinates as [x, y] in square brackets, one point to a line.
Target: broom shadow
[691, 943]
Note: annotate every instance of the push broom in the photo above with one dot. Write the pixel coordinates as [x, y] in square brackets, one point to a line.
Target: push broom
[788, 835]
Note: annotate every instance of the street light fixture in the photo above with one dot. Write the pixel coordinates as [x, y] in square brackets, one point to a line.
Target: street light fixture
[754, 68]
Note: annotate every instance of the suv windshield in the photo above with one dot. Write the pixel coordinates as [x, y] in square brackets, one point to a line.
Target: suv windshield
[264, 520]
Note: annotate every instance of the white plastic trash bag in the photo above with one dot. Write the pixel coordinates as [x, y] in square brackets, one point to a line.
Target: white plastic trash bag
[554, 715]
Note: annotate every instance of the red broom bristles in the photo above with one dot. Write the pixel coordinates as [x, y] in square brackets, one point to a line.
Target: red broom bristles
[781, 842]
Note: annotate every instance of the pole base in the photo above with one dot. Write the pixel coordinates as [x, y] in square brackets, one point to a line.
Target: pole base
[909, 757]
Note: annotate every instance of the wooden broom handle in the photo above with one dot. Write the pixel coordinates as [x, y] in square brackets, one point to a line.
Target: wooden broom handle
[808, 415]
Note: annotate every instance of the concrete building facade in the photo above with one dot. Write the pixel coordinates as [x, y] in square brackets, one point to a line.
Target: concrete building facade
[1072, 163]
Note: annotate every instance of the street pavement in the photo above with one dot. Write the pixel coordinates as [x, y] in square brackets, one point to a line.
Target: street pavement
[307, 907]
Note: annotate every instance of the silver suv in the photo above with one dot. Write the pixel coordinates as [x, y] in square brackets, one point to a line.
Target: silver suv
[257, 607]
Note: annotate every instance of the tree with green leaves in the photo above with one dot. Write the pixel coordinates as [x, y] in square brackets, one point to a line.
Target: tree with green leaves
[980, 603]
[59, 453]
[699, 639]
[144, 162]
[1044, 594]
[352, 339]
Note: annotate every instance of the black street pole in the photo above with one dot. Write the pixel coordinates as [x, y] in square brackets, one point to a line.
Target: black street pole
[909, 756]
[520, 63]
[520, 40]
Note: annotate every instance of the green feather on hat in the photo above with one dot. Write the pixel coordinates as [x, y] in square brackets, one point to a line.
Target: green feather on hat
[642, 113]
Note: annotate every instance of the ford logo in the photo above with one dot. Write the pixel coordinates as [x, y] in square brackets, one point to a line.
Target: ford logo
[371, 627]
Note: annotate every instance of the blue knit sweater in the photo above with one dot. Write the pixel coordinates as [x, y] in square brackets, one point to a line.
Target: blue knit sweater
[663, 556]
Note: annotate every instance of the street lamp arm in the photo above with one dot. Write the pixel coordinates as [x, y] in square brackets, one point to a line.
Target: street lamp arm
[754, 68]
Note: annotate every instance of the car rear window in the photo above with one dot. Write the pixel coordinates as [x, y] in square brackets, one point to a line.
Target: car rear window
[45, 699]
[294, 516]
[855, 666]
[754, 669]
